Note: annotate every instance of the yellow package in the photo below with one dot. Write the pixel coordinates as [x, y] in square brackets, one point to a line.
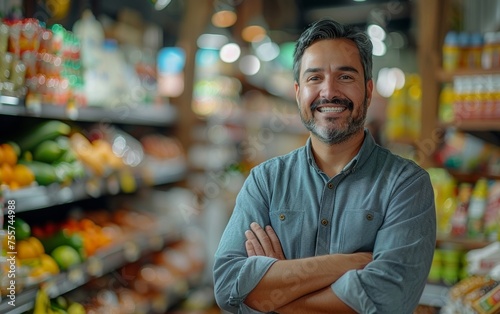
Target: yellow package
[489, 303]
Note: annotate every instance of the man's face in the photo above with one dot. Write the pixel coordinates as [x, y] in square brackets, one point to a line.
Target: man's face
[331, 93]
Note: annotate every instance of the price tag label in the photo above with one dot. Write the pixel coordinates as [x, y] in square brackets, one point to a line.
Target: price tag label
[72, 110]
[51, 288]
[94, 266]
[113, 184]
[131, 251]
[33, 104]
[93, 187]
[76, 276]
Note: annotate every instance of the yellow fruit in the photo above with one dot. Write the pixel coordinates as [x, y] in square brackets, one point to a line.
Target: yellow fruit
[23, 175]
[37, 272]
[9, 154]
[25, 250]
[37, 245]
[49, 264]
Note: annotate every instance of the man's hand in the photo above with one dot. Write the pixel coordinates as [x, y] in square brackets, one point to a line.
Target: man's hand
[263, 242]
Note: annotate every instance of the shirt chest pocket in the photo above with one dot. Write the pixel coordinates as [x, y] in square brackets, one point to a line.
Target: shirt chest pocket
[288, 226]
[358, 229]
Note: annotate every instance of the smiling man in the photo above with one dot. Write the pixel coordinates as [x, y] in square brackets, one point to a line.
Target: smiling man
[340, 225]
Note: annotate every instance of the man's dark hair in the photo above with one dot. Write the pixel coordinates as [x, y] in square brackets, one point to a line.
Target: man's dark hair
[329, 29]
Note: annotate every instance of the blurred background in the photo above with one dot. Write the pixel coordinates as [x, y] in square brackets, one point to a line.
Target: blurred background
[128, 127]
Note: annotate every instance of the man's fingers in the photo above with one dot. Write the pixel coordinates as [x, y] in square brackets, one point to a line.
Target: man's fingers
[263, 238]
[250, 249]
[275, 242]
[257, 247]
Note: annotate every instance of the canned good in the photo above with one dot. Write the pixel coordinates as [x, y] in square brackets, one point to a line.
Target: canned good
[6, 60]
[4, 37]
[18, 74]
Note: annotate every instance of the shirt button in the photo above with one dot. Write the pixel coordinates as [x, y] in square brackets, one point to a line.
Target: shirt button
[330, 185]
[369, 217]
[324, 222]
[282, 216]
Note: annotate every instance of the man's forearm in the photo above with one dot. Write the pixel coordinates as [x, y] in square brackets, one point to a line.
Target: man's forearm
[322, 301]
[290, 280]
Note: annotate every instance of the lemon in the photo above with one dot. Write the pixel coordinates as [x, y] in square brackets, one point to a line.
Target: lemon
[65, 256]
[49, 264]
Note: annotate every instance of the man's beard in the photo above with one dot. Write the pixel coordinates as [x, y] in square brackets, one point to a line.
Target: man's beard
[337, 135]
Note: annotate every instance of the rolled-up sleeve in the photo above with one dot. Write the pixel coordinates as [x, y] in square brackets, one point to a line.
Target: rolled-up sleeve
[394, 281]
[236, 274]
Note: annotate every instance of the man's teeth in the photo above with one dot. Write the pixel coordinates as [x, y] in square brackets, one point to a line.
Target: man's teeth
[331, 109]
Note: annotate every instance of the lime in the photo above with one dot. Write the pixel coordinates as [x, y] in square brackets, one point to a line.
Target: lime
[21, 227]
[65, 256]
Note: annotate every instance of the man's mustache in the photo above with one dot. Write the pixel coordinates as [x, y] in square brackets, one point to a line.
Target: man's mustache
[335, 101]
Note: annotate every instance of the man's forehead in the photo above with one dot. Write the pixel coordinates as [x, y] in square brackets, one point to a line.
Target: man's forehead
[343, 46]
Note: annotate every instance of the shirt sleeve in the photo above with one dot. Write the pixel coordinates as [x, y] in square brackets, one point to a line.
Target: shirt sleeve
[394, 281]
[236, 274]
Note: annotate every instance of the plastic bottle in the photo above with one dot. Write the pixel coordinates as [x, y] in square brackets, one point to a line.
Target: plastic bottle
[451, 51]
[488, 50]
[459, 219]
[464, 45]
[91, 35]
[496, 52]
[446, 207]
[446, 98]
[477, 208]
[474, 51]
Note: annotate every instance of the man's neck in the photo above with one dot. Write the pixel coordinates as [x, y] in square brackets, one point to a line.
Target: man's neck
[331, 159]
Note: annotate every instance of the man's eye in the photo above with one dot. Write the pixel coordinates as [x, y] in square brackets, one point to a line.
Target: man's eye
[346, 77]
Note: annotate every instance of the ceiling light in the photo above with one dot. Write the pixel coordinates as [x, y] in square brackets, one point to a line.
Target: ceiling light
[249, 65]
[161, 4]
[224, 18]
[229, 53]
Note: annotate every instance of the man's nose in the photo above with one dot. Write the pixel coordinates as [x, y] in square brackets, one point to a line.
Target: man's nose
[330, 88]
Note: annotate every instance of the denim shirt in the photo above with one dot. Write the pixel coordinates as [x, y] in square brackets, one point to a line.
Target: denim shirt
[380, 203]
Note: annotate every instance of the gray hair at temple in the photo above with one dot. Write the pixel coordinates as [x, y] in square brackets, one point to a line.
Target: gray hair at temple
[330, 29]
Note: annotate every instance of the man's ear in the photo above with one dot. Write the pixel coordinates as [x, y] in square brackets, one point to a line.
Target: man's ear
[297, 92]
[369, 91]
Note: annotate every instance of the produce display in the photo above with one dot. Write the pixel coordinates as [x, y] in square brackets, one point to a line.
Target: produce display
[53, 152]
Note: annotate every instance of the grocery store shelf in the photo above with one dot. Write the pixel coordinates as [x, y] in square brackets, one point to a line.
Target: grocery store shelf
[447, 76]
[37, 197]
[478, 125]
[102, 263]
[465, 244]
[147, 114]
[434, 295]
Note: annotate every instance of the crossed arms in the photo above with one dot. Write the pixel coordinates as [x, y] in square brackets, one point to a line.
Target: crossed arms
[299, 285]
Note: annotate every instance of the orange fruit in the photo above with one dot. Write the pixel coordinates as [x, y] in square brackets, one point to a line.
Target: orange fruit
[23, 175]
[7, 173]
[13, 185]
[1, 155]
[10, 155]
[25, 250]
[37, 245]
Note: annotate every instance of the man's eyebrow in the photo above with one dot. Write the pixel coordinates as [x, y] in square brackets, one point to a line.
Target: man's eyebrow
[348, 68]
[345, 68]
[312, 70]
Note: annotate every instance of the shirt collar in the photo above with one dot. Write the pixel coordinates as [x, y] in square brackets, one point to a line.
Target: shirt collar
[358, 160]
